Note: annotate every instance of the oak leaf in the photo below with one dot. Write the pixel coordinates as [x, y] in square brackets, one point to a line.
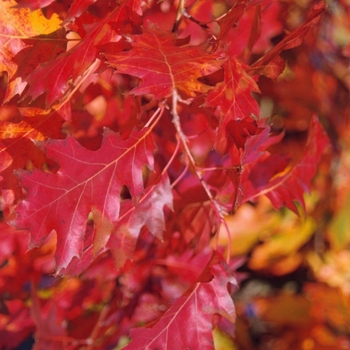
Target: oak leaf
[53, 76]
[17, 324]
[233, 96]
[86, 180]
[33, 4]
[77, 8]
[49, 329]
[188, 323]
[17, 149]
[26, 39]
[163, 66]
[231, 18]
[271, 64]
[288, 185]
[148, 212]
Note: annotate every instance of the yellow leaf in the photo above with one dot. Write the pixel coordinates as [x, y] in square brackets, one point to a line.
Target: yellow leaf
[282, 245]
[16, 27]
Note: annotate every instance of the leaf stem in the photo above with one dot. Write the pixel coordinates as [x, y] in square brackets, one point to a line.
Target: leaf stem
[78, 83]
[220, 211]
[155, 115]
[171, 158]
[181, 175]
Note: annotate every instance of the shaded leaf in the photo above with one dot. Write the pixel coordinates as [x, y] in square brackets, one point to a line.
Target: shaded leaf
[233, 97]
[231, 18]
[33, 4]
[256, 145]
[241, 130]
[188, 322]
[148, 212]
[51, 333]
[271, 64]
[77, 8]
[17, 326]
[53, 76]
[17, 148]
[285, 188]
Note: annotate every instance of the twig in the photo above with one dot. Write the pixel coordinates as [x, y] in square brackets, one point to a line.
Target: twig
[179, 13]
[183, 139]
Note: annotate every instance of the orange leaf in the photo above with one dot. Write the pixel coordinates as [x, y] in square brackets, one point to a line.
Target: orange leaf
[27, 38]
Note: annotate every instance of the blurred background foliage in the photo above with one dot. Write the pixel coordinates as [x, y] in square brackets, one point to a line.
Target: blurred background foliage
[295, 278]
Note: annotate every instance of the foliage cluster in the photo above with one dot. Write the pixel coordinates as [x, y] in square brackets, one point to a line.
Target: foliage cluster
[155, 156]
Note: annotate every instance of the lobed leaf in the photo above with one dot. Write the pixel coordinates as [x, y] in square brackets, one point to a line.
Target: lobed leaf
[53, 76]
[86, 180]
[233, 96]
[26, 39]
[231, 18]
[33, 4]
[271, 64]
[18, 150]
[148, 212]
[77, 8]
[163, 66]
[188, 323]
[287, 187]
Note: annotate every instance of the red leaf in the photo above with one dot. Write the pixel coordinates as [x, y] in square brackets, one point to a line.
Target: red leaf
[53, 76]
[233, 97]
[231, 19]
[148, 212]
[77, 8]
[86, 180]
[188, 323]
[285, 188]
[17, 326]
[255, 29]
[256, 145]
[17, 148]
[33, 4]
[136, 6]
[163, 66]
[242, 129]
[50, 333]
[271, 64]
